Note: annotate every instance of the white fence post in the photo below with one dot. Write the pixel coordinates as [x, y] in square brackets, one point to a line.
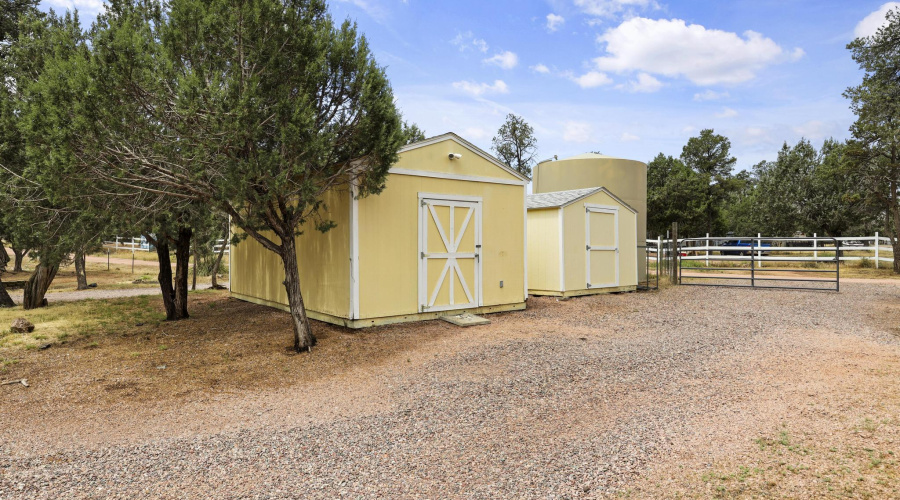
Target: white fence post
[815, 246]
[759, 245]
[658, 253]
[707, 249]
[877, 251]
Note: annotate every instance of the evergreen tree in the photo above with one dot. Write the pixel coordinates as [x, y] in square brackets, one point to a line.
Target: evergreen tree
[256, 109]
[709, 155]
[874, 152]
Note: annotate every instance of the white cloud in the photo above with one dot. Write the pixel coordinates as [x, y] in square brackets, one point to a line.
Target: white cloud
[710, 95]
[591, 79]
[870, 24]
[554, 22]
[83, 6]
[505, 60]
[753, 136]
[468, 41]
[577, 132]
[727, 113]
[816, 130]
[606, 8]
[673, 48]
[476, 134]
[479, 89]
[626, 137]
[644, 83]
[541, 68]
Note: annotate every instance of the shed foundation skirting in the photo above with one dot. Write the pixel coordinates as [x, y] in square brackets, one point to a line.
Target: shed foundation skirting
[577, 293]
[388, 320]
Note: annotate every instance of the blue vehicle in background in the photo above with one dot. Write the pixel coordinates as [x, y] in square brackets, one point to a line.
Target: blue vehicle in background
[742, 247]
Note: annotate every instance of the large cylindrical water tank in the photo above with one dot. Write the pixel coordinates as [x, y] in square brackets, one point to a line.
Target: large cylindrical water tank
[627, 179]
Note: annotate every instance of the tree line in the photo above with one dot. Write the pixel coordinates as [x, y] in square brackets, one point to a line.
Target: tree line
[804, 190]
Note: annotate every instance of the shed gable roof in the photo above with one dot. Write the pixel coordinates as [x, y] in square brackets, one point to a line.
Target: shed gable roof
[559, 199]
[468, 145]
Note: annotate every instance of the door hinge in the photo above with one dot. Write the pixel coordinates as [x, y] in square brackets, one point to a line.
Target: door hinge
[588, 247]
[588, 285]
[423, 255]
[423, 202]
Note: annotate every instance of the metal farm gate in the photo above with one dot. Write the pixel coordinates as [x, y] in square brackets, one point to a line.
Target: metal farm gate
[778, 263]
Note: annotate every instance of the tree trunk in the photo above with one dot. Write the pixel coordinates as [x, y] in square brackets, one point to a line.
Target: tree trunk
[894, 217]
[80, 272]
[215, 269]
[182, 263]
[194, 283]
[4, 257]
[5, 299]
[19, 254]
[303, 337]
[37, 285]
[165, 277]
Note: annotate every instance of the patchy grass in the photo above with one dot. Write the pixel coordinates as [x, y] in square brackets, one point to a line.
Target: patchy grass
[126, 254]
[67, 321]
[857, 462]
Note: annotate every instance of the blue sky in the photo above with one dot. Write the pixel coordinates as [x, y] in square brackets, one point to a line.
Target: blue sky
[629, 78]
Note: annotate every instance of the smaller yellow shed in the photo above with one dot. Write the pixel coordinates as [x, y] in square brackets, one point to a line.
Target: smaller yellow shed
[581, 242]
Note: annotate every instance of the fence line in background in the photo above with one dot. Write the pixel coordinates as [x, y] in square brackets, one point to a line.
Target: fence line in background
[128, 244]
[706, 248]
[140, 244]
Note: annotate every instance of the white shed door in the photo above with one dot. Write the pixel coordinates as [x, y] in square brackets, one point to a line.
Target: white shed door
[450, 254]
[602, 245]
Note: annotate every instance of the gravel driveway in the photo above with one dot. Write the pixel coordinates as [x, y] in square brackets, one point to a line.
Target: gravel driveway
[585, 398]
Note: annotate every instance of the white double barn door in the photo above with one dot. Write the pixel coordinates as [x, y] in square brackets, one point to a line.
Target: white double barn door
[449, 252]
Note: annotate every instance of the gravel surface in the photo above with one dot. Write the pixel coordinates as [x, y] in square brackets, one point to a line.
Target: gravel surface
[578, 399]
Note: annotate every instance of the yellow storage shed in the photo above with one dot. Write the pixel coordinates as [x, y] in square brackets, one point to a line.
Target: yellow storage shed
[581, 242]
[446, 235]
[626, 178]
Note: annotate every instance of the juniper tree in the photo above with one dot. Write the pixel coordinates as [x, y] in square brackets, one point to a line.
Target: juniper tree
[256, 108]
[37, 212]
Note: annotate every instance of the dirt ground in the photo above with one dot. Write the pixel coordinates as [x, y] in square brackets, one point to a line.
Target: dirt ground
[685, 392]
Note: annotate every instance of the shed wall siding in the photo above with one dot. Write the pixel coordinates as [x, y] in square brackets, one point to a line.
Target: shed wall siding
[324, 261]
[544, 249]
[389, 232]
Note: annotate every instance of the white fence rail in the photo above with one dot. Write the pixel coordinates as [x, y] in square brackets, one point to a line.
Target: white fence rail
[878, 249]
[218, 246]
[128, 244]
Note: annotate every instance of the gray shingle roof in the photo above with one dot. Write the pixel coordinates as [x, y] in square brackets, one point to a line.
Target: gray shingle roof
[558, 198]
